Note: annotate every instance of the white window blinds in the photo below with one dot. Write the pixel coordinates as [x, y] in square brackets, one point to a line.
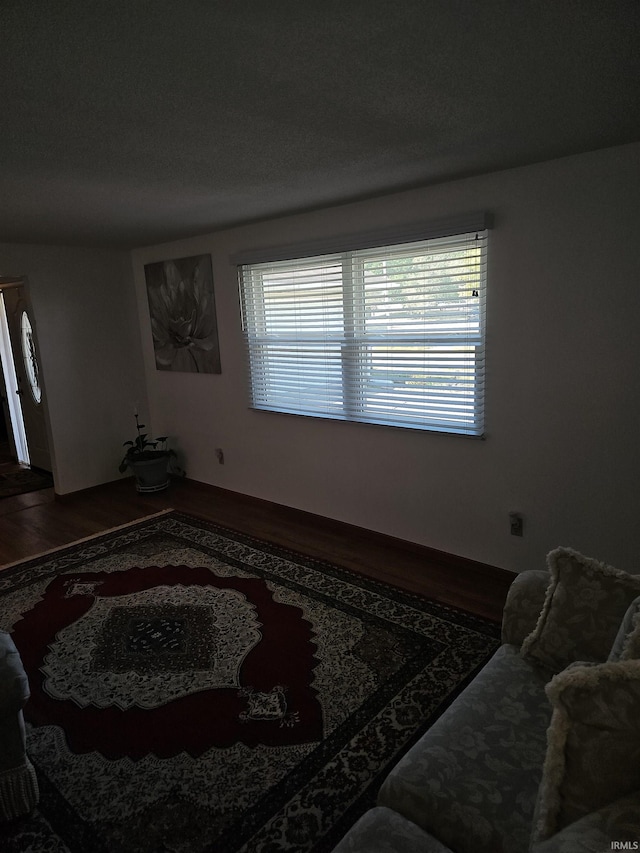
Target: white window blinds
[388, 335]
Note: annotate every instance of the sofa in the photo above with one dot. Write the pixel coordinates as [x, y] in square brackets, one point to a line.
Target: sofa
[541, 751]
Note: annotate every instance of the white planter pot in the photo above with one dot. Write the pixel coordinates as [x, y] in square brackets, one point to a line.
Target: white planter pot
[151, 473]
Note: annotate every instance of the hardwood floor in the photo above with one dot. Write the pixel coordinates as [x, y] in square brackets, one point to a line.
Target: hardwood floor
[39, 521]
[7, 462]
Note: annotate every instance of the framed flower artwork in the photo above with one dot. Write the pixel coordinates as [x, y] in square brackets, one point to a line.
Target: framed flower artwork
[183, 314]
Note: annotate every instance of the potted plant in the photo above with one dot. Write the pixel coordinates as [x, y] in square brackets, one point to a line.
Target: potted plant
[150, 460]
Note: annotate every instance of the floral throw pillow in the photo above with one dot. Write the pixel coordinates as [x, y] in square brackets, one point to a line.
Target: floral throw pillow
[593, 743]
[584, 605]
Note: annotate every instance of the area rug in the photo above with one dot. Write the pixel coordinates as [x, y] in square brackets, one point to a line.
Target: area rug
[27, 480]
[194, 689]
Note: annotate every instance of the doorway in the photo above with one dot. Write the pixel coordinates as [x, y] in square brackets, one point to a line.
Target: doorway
[24, 450]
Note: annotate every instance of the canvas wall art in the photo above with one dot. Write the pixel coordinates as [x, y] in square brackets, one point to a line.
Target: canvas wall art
[183, 314]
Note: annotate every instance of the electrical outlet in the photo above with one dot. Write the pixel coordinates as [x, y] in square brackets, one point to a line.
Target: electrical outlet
[220, 455]
[517, 524]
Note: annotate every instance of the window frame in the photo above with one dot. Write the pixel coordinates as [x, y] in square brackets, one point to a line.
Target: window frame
[355, 337]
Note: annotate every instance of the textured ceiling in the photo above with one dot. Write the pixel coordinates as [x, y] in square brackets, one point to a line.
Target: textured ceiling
[126, 123]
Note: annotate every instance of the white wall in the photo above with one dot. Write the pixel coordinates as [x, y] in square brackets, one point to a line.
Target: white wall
[87, 327]
[562, 407]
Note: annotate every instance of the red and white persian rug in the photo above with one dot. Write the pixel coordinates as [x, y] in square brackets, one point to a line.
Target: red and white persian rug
[194, 689]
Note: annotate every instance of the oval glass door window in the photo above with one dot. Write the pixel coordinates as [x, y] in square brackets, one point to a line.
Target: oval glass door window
[29, 355]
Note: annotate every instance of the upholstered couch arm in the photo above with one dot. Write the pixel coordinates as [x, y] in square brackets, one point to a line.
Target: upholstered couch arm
[18, 782]
[523, 605]
[14, 687]
[382, 830]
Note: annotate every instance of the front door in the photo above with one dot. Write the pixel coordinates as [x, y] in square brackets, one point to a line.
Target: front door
[25, 357]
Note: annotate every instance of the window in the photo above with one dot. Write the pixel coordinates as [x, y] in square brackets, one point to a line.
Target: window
[29, 356]
[387, 335]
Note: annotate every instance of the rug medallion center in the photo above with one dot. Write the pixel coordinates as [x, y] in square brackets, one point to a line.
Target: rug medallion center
[161, 638]
[151, 647]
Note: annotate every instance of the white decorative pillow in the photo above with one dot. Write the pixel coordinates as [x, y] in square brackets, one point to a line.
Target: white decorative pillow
[593, 743]
[585, 603]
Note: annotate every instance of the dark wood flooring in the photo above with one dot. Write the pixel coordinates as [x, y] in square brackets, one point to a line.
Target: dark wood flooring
[39, 521]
